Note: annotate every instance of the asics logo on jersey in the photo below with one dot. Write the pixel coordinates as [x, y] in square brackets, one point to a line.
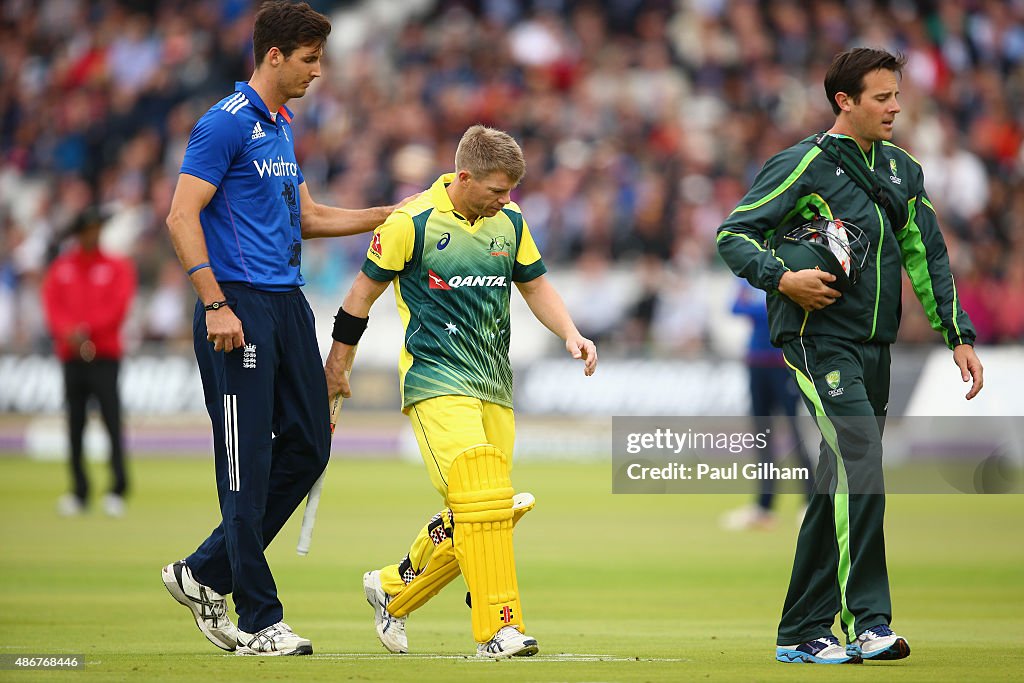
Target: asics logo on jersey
[257, 132]
[443, 242]
[276, 167]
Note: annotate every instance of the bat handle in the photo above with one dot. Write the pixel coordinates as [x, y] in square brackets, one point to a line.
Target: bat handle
[313, 499]
[335, 411]
[309, 515]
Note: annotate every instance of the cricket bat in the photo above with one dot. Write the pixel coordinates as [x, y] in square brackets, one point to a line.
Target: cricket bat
[313, 499]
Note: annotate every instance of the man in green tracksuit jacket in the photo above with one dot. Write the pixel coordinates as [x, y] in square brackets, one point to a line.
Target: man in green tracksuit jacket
[837, 345]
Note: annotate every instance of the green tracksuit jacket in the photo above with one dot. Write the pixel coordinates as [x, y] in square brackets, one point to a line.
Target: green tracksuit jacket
[801, 183]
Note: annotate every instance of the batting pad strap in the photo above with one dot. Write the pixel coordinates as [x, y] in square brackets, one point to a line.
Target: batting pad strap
[480, 497]
[441, 569]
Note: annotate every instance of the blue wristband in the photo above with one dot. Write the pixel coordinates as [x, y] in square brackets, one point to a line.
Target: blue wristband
[205, 264]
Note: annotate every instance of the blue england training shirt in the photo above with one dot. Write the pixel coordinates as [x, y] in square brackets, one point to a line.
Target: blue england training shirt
[251, 225]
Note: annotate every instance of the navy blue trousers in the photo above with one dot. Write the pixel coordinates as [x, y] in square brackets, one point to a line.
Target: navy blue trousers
[773, 391]
[271, 440]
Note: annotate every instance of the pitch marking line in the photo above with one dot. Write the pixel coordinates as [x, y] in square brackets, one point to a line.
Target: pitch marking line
[560, 657]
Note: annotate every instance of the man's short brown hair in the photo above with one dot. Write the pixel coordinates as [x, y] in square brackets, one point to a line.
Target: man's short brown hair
[483, 150]
[849, 68]
[287, 26]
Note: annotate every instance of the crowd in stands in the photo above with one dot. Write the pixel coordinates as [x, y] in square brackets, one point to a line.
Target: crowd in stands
[643, 122]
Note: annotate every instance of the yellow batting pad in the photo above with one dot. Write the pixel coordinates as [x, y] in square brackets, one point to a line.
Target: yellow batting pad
[480, 496]
[429, 566]
[442, 566]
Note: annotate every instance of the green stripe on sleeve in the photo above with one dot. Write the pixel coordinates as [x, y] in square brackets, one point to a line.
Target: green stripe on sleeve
[915, 261]
[956, 325]
[729, 233]
[375, 272]
[790, 179]
[533, 271]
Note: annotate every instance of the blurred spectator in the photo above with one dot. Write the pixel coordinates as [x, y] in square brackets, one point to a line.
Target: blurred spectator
[956, 178]
[639, 120]
[1009, 315]
[87, 294]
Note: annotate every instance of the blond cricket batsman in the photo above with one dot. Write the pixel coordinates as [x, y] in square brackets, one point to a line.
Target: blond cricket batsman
[453, 254]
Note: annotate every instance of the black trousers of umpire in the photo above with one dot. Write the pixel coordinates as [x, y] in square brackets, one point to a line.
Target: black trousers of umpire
[271, 427]
[99, 379]
[840, 555]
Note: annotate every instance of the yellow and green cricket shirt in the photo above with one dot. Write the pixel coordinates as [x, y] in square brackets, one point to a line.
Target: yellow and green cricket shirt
[453, 282]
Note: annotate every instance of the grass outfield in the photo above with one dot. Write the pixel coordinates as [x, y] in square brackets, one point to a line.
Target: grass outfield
[627, 588]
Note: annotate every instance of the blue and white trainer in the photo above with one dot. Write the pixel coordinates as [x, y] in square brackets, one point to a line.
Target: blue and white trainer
[390, 629]
[275, 640]
[207, 605]
[508, 642]
[879, 643]
[825, 650]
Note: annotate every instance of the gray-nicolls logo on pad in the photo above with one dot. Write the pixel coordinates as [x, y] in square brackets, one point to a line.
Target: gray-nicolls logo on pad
[249, 357]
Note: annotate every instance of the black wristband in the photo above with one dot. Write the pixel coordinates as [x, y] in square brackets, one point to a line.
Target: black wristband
[348, 328]
[214, 305]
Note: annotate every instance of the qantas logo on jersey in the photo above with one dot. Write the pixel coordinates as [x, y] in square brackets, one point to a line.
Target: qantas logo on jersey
[438, 282]
[375, 246]
[276, 167]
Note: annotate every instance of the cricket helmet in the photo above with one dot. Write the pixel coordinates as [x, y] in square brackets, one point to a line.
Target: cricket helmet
[832, 245]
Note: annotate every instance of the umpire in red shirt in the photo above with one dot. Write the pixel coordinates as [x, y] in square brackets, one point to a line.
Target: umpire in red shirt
[87, 294]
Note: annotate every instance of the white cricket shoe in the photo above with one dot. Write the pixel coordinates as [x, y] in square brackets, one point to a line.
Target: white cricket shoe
[748, 517]
[209, 607]
[69, 505]
[508, 642]
[113, 505]
[275, 640]
[390, 630]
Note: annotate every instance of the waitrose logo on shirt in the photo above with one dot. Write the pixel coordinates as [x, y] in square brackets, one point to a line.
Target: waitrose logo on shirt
[276, 168]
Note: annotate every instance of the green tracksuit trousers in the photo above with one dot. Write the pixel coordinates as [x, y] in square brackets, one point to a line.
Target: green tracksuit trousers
[840, 555]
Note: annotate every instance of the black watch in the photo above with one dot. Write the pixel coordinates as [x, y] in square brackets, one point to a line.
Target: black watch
[215, 305]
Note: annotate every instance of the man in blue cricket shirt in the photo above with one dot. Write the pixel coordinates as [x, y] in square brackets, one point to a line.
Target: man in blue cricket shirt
[237, 220]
